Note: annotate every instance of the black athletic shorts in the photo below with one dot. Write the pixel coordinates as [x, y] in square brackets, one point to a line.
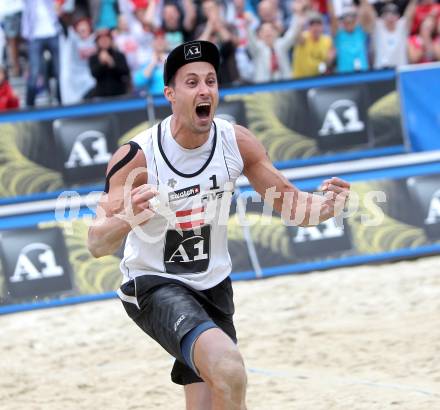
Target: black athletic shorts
[167, 310]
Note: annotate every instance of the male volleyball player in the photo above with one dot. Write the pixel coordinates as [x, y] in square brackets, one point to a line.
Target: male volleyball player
[176, 284]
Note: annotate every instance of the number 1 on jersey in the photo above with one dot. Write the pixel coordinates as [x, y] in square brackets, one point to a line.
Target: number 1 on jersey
[214, 182]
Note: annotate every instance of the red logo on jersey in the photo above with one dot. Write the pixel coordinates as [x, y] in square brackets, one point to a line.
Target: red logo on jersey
[190, 218]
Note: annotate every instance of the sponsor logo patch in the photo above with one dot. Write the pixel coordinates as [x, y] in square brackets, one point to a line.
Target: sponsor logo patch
[192, 51]
[178, 322]
[184, 193]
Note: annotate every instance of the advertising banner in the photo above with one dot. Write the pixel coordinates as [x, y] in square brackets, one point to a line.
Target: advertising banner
[35, 263]
[388, 218]
[321, 123]
[419, 89]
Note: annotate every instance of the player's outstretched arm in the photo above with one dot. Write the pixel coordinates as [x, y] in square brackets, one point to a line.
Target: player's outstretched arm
[124, 206]
[297, 207]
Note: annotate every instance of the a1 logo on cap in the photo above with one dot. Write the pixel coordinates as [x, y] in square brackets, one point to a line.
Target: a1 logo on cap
[192, 51]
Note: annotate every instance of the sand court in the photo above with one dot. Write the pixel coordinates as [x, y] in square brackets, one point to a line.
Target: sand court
[363, 337]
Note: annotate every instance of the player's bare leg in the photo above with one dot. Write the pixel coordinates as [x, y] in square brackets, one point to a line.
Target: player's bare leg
[198, 396]
[221, 366]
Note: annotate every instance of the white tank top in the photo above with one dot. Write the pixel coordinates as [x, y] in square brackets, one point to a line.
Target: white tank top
[187, 238]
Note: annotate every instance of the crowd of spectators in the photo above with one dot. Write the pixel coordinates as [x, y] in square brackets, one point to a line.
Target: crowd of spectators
[88, 49]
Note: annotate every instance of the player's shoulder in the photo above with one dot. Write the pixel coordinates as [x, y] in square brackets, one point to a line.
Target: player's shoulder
[232, 133]
[142, 138]
[127, 156]
[229, 125]
[131, 154]
[243, 135]
[250, 148]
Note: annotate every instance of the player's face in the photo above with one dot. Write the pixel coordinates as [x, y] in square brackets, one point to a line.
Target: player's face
[194, 96]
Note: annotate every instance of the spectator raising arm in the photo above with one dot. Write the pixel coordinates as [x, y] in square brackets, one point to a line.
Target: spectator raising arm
[367, 15]
[334, 22]
[409, 13]
[313, 53]
[151, 16]
[215, 26]
[189, 15]
[221, 34]
[270, 52]
[299, 14]
[287, 41]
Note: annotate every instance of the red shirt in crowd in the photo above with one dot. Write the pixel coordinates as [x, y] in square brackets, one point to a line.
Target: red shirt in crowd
[417, 42]
[422, 11]
[320, 5]
[140, 4]
[8, 99]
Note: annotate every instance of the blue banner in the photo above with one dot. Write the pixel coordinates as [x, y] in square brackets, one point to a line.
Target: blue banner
[419, 88]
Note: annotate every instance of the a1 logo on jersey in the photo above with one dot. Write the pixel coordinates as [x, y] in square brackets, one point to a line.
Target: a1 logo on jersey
[85, 145]
[35, 262]
[187, 251]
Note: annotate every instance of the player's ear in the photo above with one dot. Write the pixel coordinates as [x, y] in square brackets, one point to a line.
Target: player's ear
[169, 93]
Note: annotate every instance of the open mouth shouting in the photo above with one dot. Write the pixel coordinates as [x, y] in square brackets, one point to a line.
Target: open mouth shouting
[203, 110]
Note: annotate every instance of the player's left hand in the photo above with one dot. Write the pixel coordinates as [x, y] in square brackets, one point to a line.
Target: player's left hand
[336, 192]
[336, 185]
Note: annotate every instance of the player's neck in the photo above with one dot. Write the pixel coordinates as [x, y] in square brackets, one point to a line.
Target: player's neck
[185, 136]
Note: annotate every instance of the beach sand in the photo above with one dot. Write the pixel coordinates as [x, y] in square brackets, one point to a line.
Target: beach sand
[355, 338]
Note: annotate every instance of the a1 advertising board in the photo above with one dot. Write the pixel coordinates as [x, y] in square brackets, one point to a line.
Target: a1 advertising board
[35, 263]
[293, 125]
[392, 215]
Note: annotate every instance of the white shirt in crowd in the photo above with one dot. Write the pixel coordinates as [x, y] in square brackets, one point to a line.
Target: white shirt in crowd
[390, 46]
[261, 54]
[9, 7]
[75, 76]
[2, 45]
[42, 27]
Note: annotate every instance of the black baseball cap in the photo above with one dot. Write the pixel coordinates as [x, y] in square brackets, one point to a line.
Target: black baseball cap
[190, 52]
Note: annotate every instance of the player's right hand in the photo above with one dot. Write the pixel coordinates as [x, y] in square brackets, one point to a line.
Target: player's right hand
[141, 195]
[137, 206]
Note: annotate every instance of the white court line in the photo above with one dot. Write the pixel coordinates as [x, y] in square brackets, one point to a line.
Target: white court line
[45, 205]
[344, 381]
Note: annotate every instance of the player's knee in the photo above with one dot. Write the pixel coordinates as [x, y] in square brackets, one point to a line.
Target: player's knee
[228, 374]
